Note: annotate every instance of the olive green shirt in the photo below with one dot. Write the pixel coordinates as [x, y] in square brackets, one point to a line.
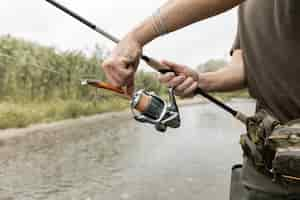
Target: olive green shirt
[269, 35]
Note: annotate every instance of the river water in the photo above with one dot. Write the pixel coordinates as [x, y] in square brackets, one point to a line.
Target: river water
[114, 157]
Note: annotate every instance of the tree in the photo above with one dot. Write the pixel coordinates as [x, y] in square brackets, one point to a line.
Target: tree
[212, 65]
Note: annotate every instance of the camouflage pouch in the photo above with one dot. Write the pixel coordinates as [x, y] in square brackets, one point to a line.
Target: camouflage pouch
[254, 143]
[285, 142]
[274, 148]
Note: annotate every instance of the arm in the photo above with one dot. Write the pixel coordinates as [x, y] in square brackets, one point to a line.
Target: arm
[120, 67]
[191, 11]
[226, 79]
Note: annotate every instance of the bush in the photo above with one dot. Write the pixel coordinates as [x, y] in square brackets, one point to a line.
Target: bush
[73, 109]
[11, 119]
[19, 115]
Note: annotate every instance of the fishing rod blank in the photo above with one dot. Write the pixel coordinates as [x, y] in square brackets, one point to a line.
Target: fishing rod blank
[82, 20]
[150, 61]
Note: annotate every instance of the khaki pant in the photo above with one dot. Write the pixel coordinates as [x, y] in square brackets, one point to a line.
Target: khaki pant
[239, 192]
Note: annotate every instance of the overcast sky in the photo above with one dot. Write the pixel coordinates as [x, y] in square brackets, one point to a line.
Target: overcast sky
[38, 21]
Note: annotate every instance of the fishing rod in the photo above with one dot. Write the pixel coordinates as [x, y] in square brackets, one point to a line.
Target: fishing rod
[156, 65]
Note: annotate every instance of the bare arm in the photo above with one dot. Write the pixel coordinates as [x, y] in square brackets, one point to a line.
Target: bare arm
[177, 14]
[226, 79]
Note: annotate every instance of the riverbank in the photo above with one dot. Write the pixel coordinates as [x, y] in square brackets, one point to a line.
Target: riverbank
[108, 118]
[21, 115]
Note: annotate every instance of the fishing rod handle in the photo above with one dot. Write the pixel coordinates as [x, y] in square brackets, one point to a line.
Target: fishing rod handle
[156, 65]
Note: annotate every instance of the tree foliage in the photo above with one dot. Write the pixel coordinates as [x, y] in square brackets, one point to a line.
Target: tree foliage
[31, 72]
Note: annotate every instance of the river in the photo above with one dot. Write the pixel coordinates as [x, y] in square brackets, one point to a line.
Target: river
[112, 157]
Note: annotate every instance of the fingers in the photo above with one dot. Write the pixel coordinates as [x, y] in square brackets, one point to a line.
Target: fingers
[175, 82]
[189, 92]
[118, 72]
[184, 86]
[120, 67]
[171, 80]
[166, 77]
[187, 88]
[177, 68]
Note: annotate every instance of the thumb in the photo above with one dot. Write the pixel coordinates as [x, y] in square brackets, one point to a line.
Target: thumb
[177, 68]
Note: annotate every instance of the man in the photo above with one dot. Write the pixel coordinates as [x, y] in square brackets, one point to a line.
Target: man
[264, 58]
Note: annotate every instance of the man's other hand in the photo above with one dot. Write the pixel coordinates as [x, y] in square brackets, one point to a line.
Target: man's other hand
[185, 80]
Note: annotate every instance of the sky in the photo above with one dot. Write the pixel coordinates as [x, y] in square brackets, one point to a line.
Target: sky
[38, 21]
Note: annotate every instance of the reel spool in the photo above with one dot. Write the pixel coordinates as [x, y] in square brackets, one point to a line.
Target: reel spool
[150, 108]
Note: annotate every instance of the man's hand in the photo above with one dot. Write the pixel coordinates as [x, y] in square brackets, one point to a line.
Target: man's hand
[122, 64]
[185, 80]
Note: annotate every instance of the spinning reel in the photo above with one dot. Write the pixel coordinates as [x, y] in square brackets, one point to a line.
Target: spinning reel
[148, 107]
[154, 110]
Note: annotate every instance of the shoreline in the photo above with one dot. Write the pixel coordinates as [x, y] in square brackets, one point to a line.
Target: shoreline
[107, 120]
[17, 133]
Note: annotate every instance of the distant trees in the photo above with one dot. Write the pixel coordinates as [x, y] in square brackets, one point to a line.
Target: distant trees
[212, 65]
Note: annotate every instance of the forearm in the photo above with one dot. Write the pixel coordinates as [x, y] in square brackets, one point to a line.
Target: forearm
[177, 14]
[226, 79]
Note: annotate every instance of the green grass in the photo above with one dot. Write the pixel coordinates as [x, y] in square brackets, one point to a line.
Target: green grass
[20, 115]
[226, 96]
